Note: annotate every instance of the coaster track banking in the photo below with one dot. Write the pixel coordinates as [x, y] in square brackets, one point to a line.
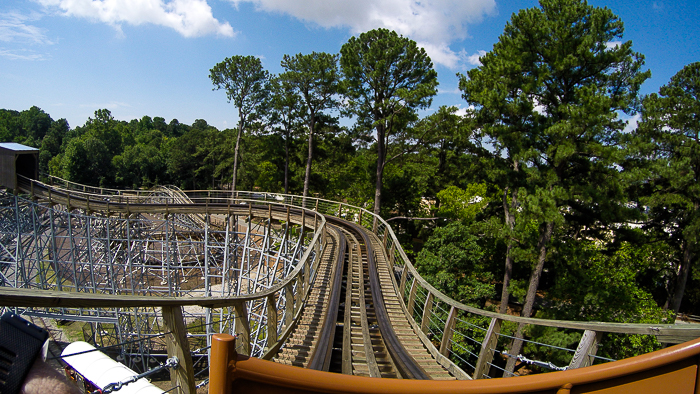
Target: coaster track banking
[392, 272]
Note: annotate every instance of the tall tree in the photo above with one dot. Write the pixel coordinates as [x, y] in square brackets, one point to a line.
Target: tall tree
[547, 98]
[315, 79]
[246, 84]
[388, 78]
[667, 148]
[284, 111]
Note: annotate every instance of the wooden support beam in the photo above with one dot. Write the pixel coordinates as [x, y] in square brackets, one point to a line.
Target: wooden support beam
[223, 352]
[177, 345]
[271, 319]
[427, 308]
[448, 332]
[488, 347]
[587, 348]
[392, 254]
[307, 277]
[242, 326]
[299, 294]
[402, 282]
[289, 304]
[412, 297]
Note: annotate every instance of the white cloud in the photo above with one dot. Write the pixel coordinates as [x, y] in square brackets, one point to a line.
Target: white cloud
[475, 59]
[15, 27]
[632, 123]
[612, 44]
[463, 111]
[21, 55]
[433, 24]
[191, 18]
[111, 105]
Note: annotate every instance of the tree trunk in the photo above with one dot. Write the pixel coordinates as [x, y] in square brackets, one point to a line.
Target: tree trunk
[307, 176]
[545, 235]
[510, 223]
[381, 158]
[241, 121]
[681, 279]
[286, 161]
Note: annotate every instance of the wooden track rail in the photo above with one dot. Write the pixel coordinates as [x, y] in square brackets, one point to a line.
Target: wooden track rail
[404, 362]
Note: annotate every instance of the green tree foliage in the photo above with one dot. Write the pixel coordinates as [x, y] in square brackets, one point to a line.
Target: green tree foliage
[27, 127]
[463, 204]
[453, 261]
[665, 154]
[247, 85]
[314, 78]
[387, 79]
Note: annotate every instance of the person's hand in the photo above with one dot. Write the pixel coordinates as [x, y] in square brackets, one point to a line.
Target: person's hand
[42, 379]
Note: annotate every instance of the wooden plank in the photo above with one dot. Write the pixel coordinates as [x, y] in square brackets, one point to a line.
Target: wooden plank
[177, 345]
[346, 367]
[487, 349]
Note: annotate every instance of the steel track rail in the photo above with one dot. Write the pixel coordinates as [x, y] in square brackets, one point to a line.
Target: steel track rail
[321, 358]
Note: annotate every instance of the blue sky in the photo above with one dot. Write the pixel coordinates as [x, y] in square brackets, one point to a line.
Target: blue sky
[152, 57]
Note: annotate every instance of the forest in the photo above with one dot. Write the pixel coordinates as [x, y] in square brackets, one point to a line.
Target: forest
[540, 202]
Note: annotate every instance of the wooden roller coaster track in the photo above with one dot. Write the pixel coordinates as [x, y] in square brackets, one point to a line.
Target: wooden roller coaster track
[357, 315]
